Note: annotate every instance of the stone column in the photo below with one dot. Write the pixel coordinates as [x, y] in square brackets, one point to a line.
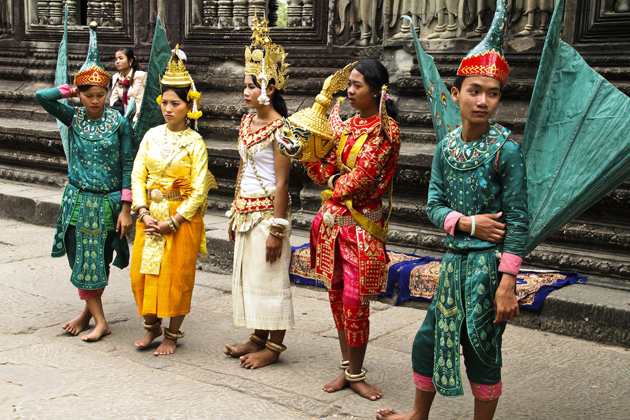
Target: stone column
[294, 13]
[307, 14]
[72, 11]
[56, 12]
[107, 13]
[6, 18]
[240, 13]
[94, 11]
[43, 12]
[210, 16]
[225, 13]
[258, 7]
[273, 13]
[118, 15]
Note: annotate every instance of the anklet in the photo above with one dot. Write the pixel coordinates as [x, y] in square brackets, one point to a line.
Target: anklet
[278, 348]
[173, 336]
[344, 364]
[254, 338]
[150, 327]
[355, 377]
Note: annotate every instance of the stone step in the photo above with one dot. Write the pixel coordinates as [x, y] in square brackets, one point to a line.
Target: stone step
[597, 311]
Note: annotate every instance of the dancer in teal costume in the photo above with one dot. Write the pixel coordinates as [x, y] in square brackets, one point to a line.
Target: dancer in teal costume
[95, 209]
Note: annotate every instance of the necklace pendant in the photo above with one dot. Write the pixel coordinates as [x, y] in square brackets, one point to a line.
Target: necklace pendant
[157, 196]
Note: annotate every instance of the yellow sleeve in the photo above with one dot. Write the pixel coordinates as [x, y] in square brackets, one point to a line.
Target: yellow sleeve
[139, 175]
[198, 174]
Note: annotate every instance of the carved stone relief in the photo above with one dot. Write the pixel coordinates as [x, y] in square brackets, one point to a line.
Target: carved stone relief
[360, 21]
[238, 14]
[6, 18]
[107, 13]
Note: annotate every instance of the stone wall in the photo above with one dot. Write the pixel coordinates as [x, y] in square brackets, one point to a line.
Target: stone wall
[320, 37]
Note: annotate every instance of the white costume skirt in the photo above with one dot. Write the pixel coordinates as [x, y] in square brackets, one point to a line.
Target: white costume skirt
[261, 292]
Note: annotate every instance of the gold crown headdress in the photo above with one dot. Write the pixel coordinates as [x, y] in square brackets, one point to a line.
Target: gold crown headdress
[177, 76]
[307, 135]
[265, 60]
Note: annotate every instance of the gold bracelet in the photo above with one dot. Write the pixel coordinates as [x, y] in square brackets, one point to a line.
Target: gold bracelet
[278, 235]
[173, 336]
[278, 348]
[258, 340]
[355, 377]
[175, 222]
[150, 327]
[170, 225]
[144, 213]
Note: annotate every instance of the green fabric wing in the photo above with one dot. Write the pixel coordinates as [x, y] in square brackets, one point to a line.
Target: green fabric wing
[577, 138]
[61, 78]
[444, 112]
[150, 112]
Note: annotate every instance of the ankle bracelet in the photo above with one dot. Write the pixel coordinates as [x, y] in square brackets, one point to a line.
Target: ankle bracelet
[150, 327]
[344, 364]
[278, 348]
[355, 377]
[258, 340]
[173, 336]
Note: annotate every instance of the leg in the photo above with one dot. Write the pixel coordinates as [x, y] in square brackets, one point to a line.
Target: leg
[357, 334]
[153, 326]
[79, 323]
[335, 294]
[95, 306]
[256, 343]
[82, 321]
[484, 410]
[420, 411]
[269, 354]
[169, 345]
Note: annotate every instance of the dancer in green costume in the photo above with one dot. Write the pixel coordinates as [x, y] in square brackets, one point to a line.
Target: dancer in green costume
[95, 209]
[478, 195]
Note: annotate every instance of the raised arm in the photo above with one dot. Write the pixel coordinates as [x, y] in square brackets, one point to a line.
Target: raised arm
[49, 100]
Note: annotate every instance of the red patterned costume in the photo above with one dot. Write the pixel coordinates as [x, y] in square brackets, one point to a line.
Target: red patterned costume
[345, 247]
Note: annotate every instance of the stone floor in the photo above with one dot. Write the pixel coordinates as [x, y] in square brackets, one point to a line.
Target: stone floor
[46, 373]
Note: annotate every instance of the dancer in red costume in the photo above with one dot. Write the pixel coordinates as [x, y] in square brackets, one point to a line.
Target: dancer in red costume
[348, 234]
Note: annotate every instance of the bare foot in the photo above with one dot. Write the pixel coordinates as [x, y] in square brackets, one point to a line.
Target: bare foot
[259, 359]
[389, 414]
[148, 338]
[78, 324]
[101, 330]
[336, 385]
[366, 390]
[243, 349]
[168, 346]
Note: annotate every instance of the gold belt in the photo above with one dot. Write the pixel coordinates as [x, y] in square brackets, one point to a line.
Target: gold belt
[158, 195]
[331, 220]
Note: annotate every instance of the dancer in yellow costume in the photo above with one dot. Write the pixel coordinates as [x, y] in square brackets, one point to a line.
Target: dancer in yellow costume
[170, 182]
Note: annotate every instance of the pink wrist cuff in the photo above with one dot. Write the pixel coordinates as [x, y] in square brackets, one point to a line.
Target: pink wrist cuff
[126, 195]
[510, 263]
[451, 222]
[486, 392]
[423, 383]
[66, 91]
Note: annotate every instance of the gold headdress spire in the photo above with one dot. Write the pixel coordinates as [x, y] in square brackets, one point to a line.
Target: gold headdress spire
[177, 76]
[265, 60]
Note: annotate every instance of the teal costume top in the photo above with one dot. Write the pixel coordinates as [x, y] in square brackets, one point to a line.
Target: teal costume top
[483, 176]
[100, 160]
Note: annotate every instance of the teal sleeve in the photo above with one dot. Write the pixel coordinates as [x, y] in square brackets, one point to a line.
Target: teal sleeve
[127, 152]
[49, 100]
[437, 208]
[513, 179]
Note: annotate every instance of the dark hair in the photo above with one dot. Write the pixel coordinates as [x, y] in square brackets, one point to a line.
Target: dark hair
[135, 66]
[181, 92]
[459, 80]
[276, 99]
[376, 75]
[85, 88]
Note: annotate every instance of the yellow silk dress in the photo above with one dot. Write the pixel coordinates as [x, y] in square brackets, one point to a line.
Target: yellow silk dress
[163, 268]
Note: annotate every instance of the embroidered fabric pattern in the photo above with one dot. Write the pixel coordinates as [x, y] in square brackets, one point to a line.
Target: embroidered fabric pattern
[464, 156]
[90, 129]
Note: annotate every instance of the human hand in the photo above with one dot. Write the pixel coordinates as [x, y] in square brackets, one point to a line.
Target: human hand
[231, 234]
[274, 249]
[123, 225]
[489, 229]
[505, 303]
[155, 228]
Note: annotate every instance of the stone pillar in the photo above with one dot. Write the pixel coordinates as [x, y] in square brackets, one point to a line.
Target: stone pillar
[118, 15]
[6, 18]
[72, 11]
[43, 16]
[273, 13]
[225, 13]
[56, 12]
[210, 16]
[107, 13]
[94, 11]
[307, 14]
[258, 7]
[294, 13]
[240, 13]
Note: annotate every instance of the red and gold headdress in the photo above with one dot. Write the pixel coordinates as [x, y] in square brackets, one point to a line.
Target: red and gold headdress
[92, 72]
[265, 60]
[487, 59]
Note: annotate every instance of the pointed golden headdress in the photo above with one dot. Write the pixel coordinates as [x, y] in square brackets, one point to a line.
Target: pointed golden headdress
[177, 76]
[307, 134]
[265, 60]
